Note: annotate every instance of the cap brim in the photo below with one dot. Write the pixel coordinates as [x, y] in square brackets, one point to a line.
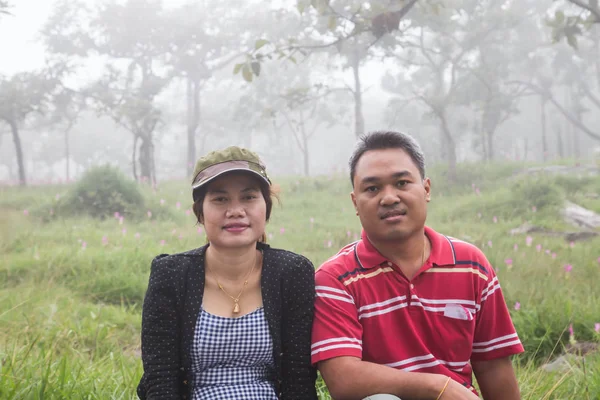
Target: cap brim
[222, 169]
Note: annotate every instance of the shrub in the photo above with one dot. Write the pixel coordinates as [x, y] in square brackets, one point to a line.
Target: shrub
[102, 192]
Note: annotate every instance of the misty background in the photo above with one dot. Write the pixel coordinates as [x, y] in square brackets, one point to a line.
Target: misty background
[152, 85]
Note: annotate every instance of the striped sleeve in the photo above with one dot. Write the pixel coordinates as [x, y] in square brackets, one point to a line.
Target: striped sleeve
[336, 329]
[495, 335]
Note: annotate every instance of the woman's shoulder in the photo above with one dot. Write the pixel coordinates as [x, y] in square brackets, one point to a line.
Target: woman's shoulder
[177, 261]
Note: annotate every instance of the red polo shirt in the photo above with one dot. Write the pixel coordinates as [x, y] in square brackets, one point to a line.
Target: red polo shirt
[451, 313]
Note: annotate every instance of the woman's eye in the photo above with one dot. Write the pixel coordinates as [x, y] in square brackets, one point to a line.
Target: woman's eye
[219, 199]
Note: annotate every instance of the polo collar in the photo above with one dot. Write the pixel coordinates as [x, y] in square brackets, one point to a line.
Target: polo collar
[442, 250]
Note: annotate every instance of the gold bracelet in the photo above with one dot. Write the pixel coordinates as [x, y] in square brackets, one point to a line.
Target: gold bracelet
[443, 389]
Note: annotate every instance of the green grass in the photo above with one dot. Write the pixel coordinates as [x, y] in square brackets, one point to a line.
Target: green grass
[70, 316]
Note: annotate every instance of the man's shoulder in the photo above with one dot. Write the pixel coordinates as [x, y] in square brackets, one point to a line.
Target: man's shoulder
[343, 261]
[465, 250]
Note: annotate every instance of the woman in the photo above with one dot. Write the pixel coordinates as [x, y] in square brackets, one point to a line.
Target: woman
[231, 319]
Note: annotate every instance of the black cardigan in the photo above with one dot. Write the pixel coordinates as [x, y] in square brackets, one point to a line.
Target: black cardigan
[173, 301]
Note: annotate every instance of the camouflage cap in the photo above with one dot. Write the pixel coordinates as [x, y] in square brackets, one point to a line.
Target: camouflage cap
[230, 159]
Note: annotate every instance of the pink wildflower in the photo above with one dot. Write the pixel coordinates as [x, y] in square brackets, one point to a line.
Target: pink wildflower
[508, 261]
[178, 205]
[312, 220]
[282, 231]
[124, 231]
[528, 240]
[348, 233]
[495, 219]
[162, 202]
[104, 240]
[489, 243]
[568, 268]
[25, 212]
[121, 220]
[572, 244]
[597, 327]
[162, 242]
[534, 208]
[554, 256]
[516, 247]
[200, 230]
[477, 192]
[187, 212]
[83, 245]
[517, 306]
[149, 214]
[117, 215]
[538, 247]
[137, 235]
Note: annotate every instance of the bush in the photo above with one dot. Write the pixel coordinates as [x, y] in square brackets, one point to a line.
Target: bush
[102, 192]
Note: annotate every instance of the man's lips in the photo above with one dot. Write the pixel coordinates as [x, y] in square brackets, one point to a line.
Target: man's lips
[395, 214]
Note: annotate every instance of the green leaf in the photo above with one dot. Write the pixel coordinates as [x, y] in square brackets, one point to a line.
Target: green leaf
[559, 16]
[260, 43]
[292, 59]
[332, 23]
[237, 68]
[572, 40]
[255, 68]
[247, 73]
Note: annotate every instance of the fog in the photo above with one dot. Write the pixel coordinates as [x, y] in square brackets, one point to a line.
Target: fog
[150, 86]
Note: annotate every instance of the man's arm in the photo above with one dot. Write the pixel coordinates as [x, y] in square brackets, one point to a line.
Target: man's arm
[496, 379]
[349, 378]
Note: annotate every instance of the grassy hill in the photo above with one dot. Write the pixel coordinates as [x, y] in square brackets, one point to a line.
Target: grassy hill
[72, 288]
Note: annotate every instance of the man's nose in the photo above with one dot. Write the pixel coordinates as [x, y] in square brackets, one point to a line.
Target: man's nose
[389, 196]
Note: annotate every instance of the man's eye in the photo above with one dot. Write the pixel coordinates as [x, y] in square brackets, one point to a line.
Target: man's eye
[402, 183]
[371, 189]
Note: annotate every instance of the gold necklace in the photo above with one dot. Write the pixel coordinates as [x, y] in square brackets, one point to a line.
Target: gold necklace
[236, 300]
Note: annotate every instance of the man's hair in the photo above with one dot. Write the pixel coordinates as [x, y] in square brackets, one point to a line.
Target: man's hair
[381, 140]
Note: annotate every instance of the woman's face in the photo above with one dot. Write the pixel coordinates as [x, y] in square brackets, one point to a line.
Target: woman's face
[234, 211]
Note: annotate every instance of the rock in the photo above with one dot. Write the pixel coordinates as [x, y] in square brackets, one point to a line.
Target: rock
[577, 236]
[580, 216]
[560, 364]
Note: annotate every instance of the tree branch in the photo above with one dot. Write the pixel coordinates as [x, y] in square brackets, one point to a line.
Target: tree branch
[548, 96]
[594, 10]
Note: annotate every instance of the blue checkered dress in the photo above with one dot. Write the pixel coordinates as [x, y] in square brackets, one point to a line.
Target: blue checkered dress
[232, 358]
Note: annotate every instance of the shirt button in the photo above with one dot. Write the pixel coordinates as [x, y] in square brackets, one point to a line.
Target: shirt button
[389, 263]
[412, 286]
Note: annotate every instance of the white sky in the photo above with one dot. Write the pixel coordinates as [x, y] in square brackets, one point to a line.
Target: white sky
[18, 48]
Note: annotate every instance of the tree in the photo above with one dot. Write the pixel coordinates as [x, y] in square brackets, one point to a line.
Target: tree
[67, 108]
[133, 38]
[21, 96]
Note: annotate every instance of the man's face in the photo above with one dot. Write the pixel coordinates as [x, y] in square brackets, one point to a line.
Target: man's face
[389, 195]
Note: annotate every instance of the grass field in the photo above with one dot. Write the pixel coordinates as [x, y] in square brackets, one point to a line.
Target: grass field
[72, 288]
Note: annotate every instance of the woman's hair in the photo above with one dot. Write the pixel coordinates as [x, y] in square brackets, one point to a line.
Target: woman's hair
[267, 191]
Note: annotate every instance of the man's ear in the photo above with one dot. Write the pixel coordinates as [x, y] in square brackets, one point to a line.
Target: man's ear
[427, 185]
[353, 197]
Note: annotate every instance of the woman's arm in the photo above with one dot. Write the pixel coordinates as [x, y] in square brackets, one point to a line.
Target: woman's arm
[160, 333]
[299, 377]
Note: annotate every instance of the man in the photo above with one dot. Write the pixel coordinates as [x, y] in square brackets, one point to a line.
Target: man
[405, 310]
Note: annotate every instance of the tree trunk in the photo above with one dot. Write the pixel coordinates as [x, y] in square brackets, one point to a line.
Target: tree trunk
[19, 150]
[490, 144]
[305, 154]
[146, 159]
[576, 107]
[193, 120]
[559, 142]
[450, 147]
[544, 134]
[359, 120]
[134, 158]
[67, 152]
